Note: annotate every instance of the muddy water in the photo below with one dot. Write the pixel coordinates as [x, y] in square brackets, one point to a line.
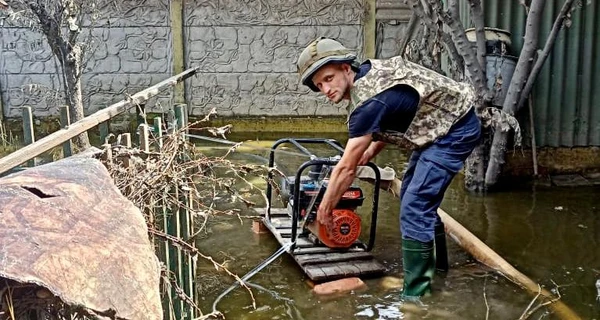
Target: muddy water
[550, 234]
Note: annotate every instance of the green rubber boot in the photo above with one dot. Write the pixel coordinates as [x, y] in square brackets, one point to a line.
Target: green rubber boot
[441, 252]
[419, 267]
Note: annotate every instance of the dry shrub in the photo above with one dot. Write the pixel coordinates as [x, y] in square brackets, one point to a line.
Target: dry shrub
[178, 177]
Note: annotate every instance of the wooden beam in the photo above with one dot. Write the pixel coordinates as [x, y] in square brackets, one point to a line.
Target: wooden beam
[57, 138]
[484, 254]
[144, 132]
[369, 29]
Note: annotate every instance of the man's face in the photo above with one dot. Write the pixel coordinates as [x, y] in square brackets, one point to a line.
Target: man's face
[334, 81]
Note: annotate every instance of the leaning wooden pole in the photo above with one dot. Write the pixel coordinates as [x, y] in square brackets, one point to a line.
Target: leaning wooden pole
[484, 254]
[57, 138]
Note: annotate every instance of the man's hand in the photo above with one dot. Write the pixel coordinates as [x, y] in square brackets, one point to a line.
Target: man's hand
[365, 158]
[341, 178]
[374, 148]
[325, 217]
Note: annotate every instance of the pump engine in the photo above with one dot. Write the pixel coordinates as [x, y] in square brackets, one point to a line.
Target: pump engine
[346, 223]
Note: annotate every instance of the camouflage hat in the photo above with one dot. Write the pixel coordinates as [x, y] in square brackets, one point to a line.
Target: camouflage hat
[317, 54]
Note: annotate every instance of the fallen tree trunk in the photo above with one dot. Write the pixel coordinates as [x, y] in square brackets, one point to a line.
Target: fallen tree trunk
[484, 254]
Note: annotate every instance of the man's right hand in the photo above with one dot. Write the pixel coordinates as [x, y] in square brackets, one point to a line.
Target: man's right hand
[366, 157]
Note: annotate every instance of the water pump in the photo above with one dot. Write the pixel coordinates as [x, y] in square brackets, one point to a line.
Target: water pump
[346, 223]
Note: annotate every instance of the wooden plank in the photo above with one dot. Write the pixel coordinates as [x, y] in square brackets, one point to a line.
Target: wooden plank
[275, 212]
[279, 215]
[315, 273]
[350, 268]
[59, 137]
[287, 232]
[333, 271]
[125, 140]
[144, 137]
[332, 257]
[321, 263]
[107, 155]
[369, 267]
[303, 242]
[279, 211]
[315, 250]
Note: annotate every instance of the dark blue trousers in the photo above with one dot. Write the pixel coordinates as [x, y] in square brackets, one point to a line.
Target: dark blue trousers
[430, 170]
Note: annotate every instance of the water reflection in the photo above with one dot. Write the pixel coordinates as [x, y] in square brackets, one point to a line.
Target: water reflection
[550, 234]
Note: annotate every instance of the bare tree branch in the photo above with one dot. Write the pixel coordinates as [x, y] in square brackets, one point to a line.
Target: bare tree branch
[519, 78]
[478, 20]
[475, 71]
[453, 52]
[425, 15]
[537, 67]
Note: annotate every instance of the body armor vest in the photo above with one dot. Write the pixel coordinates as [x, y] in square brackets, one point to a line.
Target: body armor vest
[442, 102]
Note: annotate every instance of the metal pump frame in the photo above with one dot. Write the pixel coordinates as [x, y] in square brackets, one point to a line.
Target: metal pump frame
[317, 161]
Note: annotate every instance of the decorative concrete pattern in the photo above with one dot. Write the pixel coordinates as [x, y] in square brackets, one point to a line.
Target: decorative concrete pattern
[246, 51]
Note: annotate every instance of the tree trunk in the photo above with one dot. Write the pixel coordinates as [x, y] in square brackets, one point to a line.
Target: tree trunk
[479, 22]
[70, 55]
[74, 99]
[464, 47]
[498, 148]
[539, 63]
[475, 165]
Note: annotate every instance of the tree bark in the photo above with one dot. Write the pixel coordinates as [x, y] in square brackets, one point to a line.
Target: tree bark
[74, 99]
[69, 53]
[522, 70]
[478, 20]
[475, 70]
[539, 63]
[426, 15]
[475, 166]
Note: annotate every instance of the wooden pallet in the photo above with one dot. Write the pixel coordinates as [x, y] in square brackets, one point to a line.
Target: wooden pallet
[319, 262]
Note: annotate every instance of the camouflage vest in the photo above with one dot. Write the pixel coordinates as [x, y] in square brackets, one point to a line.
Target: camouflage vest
[443, 101]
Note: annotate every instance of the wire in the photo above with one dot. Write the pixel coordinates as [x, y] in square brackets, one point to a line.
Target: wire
[233, 143]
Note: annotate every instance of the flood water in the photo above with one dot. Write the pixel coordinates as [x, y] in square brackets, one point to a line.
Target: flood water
[550, 234]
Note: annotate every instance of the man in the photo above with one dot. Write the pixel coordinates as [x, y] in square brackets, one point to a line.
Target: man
[397, 101]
